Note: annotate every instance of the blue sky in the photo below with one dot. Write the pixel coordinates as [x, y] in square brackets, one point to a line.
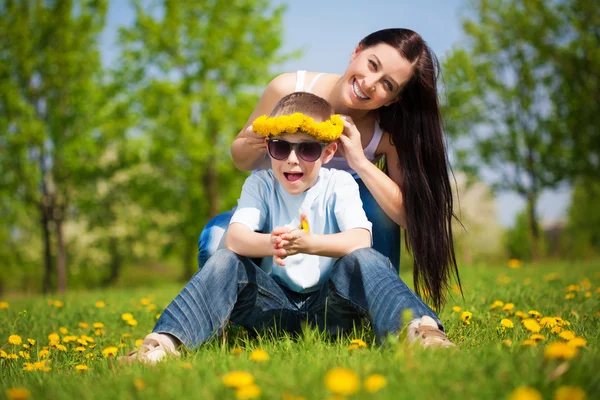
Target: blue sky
[328, 30]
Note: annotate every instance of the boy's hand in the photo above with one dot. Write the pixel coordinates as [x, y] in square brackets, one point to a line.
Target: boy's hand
[278, 252]
[296, 241]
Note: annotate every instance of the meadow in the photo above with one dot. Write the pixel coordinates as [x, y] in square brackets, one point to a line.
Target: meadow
[522, 332]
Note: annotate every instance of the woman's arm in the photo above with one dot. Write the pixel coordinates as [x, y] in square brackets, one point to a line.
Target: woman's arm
[248, 149]
[385, 189]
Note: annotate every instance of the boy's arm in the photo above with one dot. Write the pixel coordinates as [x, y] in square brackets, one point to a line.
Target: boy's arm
[338, 245]
[243, 241]
[335, 245]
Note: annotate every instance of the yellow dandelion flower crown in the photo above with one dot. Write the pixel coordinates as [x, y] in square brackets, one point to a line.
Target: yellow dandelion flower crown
[326, 131]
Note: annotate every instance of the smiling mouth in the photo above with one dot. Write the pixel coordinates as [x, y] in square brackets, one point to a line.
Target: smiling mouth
[358, 92]
[293, 176]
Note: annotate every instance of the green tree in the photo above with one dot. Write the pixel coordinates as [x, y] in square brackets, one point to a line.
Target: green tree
[195, 67]
[50, 79]
[499, 99]
[583, 227]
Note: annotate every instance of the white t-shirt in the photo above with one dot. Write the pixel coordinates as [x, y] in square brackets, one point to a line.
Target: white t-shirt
[332, 205]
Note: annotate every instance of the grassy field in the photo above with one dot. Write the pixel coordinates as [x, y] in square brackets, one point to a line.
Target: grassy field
[74, 339]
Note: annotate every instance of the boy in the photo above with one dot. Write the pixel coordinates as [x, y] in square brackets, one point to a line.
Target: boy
[317, 265]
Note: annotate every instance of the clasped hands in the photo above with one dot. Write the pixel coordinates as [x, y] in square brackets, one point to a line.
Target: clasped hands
[288, 242]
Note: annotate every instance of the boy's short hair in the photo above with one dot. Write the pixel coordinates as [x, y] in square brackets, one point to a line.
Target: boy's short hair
[306, 103]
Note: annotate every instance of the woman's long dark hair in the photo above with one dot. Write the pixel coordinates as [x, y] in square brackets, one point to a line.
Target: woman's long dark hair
[415, 126]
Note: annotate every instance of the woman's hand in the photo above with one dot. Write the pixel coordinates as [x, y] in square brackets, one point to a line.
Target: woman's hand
[256, 141]
[351, 145]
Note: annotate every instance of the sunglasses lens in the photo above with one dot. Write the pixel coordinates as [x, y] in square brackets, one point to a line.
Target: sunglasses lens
[279, 149]
[309, 151]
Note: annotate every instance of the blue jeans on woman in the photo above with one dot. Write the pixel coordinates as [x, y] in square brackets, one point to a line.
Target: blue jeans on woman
[362, 284]
[386, 233]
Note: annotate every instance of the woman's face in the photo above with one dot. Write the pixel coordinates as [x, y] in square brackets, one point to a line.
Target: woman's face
[375, 77]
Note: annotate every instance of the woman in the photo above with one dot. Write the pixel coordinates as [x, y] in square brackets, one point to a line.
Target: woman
[388, 94]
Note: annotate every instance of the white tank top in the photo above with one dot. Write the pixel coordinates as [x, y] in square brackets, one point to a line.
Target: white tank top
[340, 162]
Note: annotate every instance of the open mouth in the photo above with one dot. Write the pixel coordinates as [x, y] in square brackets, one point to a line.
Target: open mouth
[357, 92]
[293, 176]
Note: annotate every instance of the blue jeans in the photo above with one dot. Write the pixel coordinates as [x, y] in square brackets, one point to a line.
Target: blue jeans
[386, 233]
[363, 284]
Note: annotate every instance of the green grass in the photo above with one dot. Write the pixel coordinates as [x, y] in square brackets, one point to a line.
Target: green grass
[481, 366]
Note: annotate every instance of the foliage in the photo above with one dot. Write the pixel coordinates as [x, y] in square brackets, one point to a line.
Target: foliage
[584, 221]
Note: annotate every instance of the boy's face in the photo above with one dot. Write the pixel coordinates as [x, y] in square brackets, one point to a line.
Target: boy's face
[295, 174]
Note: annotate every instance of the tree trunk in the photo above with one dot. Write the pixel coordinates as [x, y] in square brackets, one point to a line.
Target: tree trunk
[45, 221]
[61, 255]
[116, 262]
[188, 260]
[533, 226]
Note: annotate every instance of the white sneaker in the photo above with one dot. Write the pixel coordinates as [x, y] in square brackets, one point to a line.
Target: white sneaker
[154, 348]
[425, 332]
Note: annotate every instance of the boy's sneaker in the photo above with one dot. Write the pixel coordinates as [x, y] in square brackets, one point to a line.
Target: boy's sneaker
[425, 332]
[153, 349]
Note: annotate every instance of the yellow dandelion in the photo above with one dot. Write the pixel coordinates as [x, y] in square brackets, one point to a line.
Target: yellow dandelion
[139, 384]
[570, 393]
[548, 322]
[58, 304]
[556, 329]
[145, 301]
[139, 342]
[236, 350]
[588, 295]
[18, 393]
[99, 332]
[342, 381]
[531, 325]
[466, 317]
[63, 330]
[535, 313]
[3, 305]
[521, 315]
[15, 339]
[560, 350]
[525, 393]
[61, 347]
[151, 307]
[573, 288]
[31, 341]
[358, 342]
[514, 263]
[126, 335]
[98, 325]
[569, 296]
[259, 355]
[3, 354]
[110, 351]
[53, 337]
[43, 353]
[100, 304]
[121, 345]
[508, 307]
[132, 322]
[496, 304]
[537, 337]
[251, 391]
[84, 325]
[187, 366]
[507, 342]
[529, 342]
[577, 342]
[553, 276]
[157, 316]
[79, 349]
[81, 367]
[237, 378]
[507, 323]
[375, 382]
[26, 346]
[456, 309]
[567, 335]
[126, 316]
[586, 283]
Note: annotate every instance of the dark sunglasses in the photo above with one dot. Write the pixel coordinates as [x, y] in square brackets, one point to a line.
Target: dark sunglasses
[308, 151]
